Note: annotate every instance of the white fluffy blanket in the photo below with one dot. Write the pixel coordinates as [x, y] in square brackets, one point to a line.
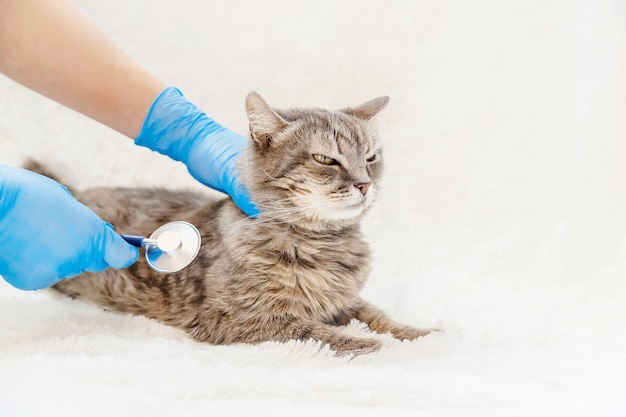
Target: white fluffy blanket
[502, 219]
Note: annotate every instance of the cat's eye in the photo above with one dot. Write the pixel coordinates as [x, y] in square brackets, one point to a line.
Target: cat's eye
[371, 158]
[324, 160]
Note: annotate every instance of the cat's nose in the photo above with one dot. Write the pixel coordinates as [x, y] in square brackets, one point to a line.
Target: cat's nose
[363, 187]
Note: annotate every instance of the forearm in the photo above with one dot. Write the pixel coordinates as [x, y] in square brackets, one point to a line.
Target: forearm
[51, 48]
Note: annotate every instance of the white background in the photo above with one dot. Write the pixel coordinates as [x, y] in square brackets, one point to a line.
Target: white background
[501, 221]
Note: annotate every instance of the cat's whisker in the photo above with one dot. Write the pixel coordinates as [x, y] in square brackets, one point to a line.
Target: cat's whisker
[276, 214]
[306, 211]
[293, 200]
[281, 214]
[271, 209]
[274, 220]
[276, 203]
[269, 176]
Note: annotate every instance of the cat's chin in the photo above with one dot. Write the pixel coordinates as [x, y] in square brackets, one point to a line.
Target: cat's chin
[343, 215]
[318, 212]
[330, 218]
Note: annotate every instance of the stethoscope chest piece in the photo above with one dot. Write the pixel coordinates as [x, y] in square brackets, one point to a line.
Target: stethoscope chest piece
[177, 245]
[171, 247]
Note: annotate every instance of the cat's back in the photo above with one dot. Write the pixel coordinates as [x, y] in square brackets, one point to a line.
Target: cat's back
[133, 210]
[143, 209]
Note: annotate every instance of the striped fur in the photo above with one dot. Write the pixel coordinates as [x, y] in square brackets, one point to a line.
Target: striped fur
[293, 273]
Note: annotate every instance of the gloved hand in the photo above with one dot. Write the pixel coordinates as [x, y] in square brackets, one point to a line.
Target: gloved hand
[46, 235]
[177, 128]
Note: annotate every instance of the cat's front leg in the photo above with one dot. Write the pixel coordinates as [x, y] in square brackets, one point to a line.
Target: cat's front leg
[379, 322]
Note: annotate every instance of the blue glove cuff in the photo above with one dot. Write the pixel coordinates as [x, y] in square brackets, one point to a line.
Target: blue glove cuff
[172, 124]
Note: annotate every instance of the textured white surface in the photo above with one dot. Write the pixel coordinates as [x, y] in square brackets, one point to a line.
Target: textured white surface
[502, 218]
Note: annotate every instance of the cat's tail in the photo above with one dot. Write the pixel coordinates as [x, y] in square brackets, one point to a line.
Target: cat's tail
[39, 168]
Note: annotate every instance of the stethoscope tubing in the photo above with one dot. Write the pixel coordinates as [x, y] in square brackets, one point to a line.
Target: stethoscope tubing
[137, 241]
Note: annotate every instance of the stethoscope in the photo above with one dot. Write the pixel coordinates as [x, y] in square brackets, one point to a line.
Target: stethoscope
[169, 248]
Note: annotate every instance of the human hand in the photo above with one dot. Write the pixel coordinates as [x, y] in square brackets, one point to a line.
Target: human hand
[46, 235]
[177, 128]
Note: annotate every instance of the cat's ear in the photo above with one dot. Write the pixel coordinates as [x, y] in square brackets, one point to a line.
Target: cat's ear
[367, 110]
[264, 121]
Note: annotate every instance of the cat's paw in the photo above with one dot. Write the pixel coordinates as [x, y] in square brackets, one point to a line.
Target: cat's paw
[354, 346]
[411, 333]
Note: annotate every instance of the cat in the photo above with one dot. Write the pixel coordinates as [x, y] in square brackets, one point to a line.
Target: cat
[294, 272]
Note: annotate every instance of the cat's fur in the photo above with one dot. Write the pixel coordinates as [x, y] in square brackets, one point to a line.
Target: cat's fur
[293, 273]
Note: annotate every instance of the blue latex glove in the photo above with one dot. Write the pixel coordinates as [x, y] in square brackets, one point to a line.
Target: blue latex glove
[46, 235]
[177, 128]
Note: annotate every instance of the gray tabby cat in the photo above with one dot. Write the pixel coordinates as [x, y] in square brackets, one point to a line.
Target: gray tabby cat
[293, 273]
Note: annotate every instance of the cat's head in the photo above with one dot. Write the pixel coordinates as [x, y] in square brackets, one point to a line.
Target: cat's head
[312, 167]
